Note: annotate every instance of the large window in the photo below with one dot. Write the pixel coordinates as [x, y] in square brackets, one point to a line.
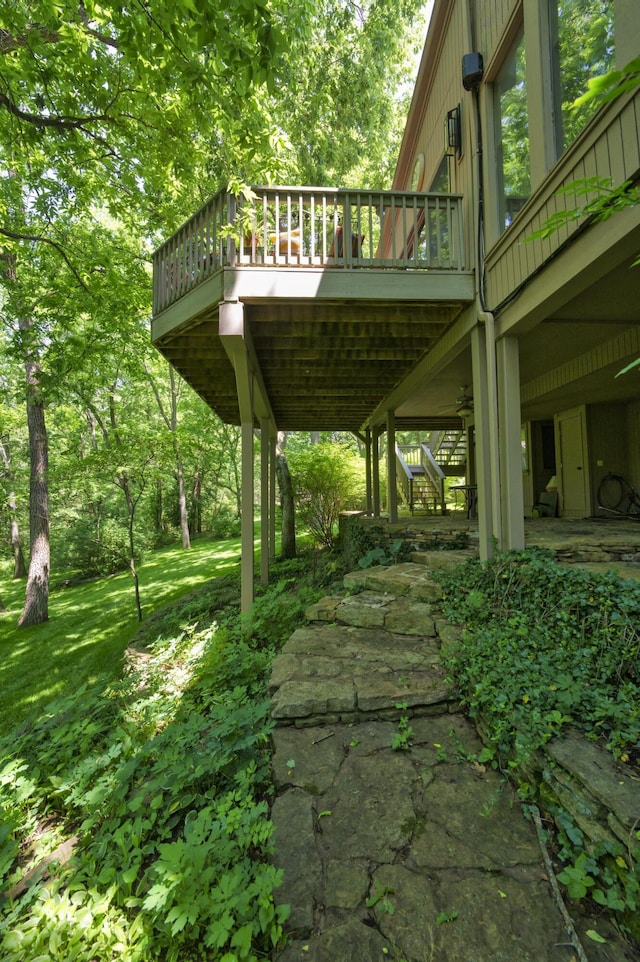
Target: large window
[440, 183]
[582, 47]
[512, 132]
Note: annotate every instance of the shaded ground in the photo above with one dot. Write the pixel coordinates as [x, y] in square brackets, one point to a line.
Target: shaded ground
[415, 853]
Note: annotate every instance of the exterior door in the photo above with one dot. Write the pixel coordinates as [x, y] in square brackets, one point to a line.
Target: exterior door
[573, 464]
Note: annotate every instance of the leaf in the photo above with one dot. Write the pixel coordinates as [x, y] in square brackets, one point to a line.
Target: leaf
[595, 937]
[629, 367]
[241, 940]
[445, 917]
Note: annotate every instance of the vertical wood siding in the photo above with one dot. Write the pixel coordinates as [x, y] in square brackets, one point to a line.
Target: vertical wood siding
[492, 16]
[610, 147]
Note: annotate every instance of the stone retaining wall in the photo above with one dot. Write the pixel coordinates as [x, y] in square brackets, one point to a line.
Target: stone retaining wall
[601, 795]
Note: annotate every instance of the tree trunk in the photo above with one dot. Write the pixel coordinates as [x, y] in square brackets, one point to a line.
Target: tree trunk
[182, 502]
[125, 487]
[36, 606]
[158, 509]
[288, 540]
[19, 567]
[133, 570]
[196, 503]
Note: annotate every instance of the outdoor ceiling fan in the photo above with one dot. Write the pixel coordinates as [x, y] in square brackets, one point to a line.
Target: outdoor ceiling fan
[464, 403]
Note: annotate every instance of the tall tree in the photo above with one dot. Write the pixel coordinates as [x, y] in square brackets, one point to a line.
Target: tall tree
[169, 413]
[36, 606]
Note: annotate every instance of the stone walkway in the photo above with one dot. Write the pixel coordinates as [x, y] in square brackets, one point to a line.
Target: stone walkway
[396, 843]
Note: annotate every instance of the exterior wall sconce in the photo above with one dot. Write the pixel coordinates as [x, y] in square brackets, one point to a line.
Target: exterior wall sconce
[453, 133]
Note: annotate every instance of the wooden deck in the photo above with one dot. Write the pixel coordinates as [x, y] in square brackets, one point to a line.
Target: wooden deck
[330, 327]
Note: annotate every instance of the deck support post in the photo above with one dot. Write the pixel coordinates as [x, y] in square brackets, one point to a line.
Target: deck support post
[265, 501]
[247, 519]
[367, 449]
[232, 334]
[392, 491]
[375, 464]
[509, 419]
[273, 442]
[486, 472]
[254, 407]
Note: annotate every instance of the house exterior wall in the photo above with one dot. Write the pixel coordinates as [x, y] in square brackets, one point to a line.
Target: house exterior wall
[609, 435]
[608, 148]
[633, 439]
[532, 286]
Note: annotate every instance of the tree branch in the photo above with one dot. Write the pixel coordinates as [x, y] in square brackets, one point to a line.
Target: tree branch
[9, 42]
[39, 239]
[60, 123]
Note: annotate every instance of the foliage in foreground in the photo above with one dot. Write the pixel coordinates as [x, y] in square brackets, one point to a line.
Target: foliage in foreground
[546, 646]
[161, 780]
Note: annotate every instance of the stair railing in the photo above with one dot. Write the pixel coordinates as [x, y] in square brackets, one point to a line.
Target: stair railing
[404, 478]
[435, 473]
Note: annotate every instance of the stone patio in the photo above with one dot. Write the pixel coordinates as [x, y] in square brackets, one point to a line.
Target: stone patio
[600, 544]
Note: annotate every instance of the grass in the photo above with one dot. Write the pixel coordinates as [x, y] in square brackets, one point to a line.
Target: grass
[159, 780]
[91, 624]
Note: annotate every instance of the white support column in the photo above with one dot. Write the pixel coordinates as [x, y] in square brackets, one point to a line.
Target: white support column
[392, 491]
[232, 335]
[247, 519]
[367, 448]
[512, 502]
[484, 478]
[272, 494]
[375, 474]
[265, 514]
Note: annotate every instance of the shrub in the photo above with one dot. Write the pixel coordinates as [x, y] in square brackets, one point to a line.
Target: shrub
[226, 523]
[96, 548]
[327, 479]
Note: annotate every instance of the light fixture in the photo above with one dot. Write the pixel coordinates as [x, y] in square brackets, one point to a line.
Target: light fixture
[452, 133]
[464, 404]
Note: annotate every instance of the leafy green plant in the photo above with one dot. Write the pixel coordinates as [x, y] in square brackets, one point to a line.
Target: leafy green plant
[161, 779]
[382, 556]
[327, 479]
[380, 898]
[546, 646]
[401, 740]
[445, 917]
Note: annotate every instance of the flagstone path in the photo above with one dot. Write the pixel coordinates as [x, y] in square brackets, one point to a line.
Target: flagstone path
[409, 854]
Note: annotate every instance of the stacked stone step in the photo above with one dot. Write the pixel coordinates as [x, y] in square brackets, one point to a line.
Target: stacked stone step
[370, 654]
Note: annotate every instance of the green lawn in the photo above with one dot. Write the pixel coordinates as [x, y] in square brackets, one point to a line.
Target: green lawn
[91, 624]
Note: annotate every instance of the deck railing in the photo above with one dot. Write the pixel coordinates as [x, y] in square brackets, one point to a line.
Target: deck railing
[310, 227]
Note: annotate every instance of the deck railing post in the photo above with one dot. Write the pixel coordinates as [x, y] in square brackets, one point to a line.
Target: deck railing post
[231, 242]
